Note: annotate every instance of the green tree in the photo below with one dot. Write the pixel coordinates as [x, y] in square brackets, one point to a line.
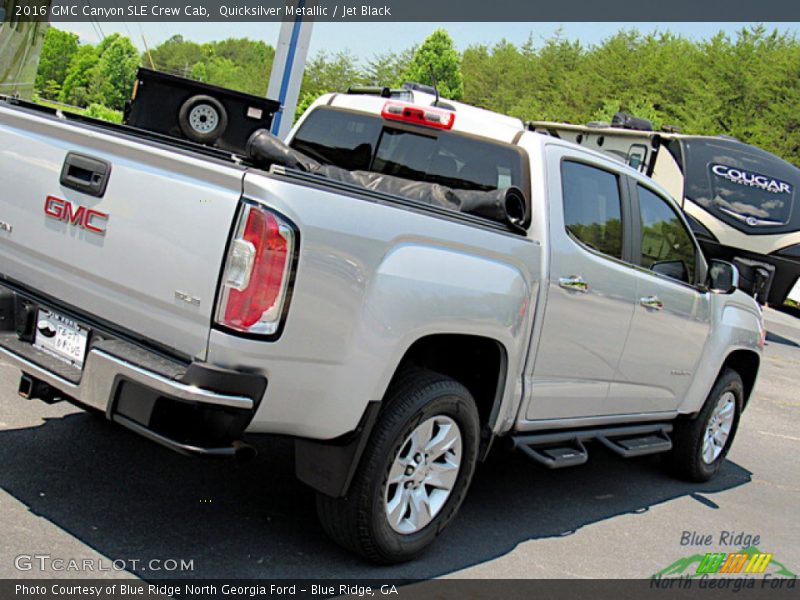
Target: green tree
[51, 90]
[176, 56]
[112, 77]
[219, 71]
[253, 59]
[79, 75]
[303, 103]
[438, 52]
[238, 64]
[330, 73]
[57, 51]
[745, 85]
[387, 69]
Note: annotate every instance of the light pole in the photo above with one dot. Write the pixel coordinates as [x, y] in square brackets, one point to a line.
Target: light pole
[288, 67]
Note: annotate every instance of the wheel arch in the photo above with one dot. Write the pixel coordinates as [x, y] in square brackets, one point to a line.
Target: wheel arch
[478, 363]
[746, 363]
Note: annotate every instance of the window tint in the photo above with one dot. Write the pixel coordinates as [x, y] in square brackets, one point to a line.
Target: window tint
[448, 159]
[365, 142]
[667, 246]
[347, 140]
[405, 155]
[592, 207]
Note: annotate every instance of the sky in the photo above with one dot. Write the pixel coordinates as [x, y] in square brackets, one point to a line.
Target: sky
[365, 40]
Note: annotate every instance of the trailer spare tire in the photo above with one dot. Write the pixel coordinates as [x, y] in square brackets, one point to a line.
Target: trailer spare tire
[203, 119]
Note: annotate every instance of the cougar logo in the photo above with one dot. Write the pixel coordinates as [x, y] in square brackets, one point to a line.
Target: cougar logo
[742, 177]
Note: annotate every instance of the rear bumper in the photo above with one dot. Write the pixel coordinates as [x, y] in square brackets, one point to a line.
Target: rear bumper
[101, 373]
[193, 408]
[181, 416]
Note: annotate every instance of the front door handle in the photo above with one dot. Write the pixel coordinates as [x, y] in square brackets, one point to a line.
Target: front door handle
[574, 283]
[651, 302]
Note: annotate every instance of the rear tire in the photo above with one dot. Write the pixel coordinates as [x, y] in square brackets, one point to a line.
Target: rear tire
[391, 484]
[700, 444]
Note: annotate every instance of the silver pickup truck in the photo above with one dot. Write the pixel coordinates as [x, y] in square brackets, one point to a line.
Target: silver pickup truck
[194, 298]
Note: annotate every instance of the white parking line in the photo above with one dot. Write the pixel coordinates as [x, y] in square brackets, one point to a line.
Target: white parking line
[779, 435]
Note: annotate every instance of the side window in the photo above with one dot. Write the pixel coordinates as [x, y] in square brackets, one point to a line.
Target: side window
[667, 246]
[592, 212]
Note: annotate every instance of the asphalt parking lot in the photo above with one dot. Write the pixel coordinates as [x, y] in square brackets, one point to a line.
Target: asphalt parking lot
[75, 487]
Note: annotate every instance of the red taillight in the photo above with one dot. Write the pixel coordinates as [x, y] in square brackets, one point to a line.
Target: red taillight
[257, 272]
[419, 115]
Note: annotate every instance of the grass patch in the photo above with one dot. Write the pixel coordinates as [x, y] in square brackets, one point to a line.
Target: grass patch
[96, 111]
[59, 106]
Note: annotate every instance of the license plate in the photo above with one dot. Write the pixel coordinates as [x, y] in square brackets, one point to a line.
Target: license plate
[60, 337]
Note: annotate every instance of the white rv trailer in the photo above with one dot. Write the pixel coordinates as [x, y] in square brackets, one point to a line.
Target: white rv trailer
[739, 199]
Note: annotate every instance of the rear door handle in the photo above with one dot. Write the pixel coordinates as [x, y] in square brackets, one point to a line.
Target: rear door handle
[574, 283]
[85, 174]
[651, 302]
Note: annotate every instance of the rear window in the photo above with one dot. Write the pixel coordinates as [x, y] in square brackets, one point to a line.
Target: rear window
[360, 142]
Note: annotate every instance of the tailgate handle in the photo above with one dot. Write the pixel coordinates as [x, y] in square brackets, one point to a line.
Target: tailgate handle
[85, 174]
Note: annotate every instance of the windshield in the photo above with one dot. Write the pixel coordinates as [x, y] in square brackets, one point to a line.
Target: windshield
[361, 142]
[742, 185]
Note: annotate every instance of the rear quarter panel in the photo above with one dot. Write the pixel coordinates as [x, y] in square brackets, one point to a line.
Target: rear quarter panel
[371, 280]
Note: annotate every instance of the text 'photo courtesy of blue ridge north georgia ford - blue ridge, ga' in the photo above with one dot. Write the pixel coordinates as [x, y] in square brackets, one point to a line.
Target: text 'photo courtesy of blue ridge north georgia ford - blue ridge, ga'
[396, 307]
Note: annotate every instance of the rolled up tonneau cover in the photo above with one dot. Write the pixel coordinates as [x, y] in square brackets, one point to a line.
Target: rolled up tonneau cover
[508, 206]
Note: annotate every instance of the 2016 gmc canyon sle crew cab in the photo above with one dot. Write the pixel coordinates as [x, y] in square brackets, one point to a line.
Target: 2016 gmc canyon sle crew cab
[193, 298]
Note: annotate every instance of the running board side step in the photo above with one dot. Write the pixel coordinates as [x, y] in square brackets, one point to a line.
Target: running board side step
[557, 457]
[560, 449]
[638, 446]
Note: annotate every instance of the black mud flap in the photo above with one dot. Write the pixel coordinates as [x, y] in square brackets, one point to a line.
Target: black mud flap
[329, 466]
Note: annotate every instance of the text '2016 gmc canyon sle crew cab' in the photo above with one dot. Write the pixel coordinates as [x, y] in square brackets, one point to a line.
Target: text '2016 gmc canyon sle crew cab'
[194, 297]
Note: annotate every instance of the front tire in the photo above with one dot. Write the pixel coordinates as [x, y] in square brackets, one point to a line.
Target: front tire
[701, 444]
[414, 473]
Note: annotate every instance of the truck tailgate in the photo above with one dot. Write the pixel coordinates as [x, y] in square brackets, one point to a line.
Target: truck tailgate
[148, 260]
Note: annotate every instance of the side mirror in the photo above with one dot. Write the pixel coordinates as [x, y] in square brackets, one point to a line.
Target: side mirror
[676, 269]
[723, 277]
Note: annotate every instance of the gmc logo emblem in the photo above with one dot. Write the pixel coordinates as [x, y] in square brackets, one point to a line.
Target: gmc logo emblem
[79, 216]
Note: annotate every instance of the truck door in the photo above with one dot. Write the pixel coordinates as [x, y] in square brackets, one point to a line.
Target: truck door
[590, 301]
[671, 322]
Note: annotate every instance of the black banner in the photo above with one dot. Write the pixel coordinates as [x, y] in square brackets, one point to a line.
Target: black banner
[441, 589]
[402, 10]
